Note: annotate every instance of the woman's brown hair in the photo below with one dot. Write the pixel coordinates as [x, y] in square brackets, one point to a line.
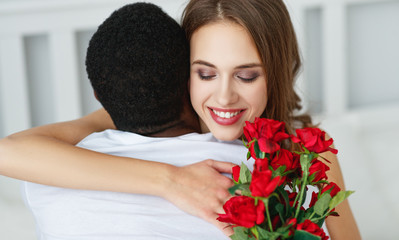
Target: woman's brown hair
[269, 24]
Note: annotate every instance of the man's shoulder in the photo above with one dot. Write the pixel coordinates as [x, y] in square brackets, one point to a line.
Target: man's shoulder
[111, 137]
[106, 137]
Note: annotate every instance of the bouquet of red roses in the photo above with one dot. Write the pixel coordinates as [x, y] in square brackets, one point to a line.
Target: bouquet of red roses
[271, 197]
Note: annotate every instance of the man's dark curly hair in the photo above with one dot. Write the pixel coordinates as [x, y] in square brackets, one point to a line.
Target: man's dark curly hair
[138, 64]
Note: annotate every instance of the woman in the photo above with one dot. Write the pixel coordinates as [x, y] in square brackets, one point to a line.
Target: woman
[244, 59]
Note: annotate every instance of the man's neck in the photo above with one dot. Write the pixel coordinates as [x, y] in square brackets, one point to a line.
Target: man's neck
[189, 123]
[174, 132]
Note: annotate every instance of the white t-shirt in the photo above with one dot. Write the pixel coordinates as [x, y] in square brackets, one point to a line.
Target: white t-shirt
[71, 214]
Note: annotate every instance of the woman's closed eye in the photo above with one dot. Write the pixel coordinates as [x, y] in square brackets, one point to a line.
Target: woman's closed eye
[205, 75]
[247, 77]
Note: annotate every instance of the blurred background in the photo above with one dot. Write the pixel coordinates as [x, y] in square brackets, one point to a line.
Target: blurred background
[350, 83]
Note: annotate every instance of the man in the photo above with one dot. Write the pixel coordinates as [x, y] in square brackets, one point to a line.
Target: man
[137, 62]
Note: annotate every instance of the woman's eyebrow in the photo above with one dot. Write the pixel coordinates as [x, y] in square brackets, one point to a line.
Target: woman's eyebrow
[201, 62]
[249, 65]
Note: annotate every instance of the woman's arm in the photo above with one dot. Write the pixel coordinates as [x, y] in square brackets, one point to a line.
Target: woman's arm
[46, 155]
[344, 226]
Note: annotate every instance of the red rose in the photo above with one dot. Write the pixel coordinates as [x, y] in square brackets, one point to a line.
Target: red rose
[268, 132]
[236, 173]
[251, 130]
[314, 199]
[262, 183]
[268, 145]
[251, 149]
[261, 164]
[319, 169]
[241, 211]
[333, 186]
[314, 140]
[312, 228]
[265, 145]
[291, 222]
[285, 158]
[334, 191]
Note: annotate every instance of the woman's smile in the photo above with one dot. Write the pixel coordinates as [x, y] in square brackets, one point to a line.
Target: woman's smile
[226, 116]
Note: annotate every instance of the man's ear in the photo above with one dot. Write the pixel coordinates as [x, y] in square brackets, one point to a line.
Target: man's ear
[95, 95]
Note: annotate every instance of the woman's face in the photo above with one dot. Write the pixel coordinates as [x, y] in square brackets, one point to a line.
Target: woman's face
[227, 83]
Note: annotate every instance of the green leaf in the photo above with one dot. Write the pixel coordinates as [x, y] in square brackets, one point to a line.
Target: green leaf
[241, 233]
[311, 178]
[243, 187]
[284, 231]
[303, 235]
[233, 189]
[301, 217]
[320, 222]
[284, 194]
[258, 152]
[245, 174]
[322, 203]
[266, 235]
[340, 197]
[279, 171]
[313, 156]
[280, 209]
[309, 212]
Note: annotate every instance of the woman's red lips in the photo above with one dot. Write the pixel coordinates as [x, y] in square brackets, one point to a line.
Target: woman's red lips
[226, 116]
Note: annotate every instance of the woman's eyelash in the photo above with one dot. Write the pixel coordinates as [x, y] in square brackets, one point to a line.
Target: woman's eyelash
[206, 77]
[248, 79]
[243, 77]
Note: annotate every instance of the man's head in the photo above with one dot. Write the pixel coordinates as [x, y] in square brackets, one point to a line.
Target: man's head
[138, 64]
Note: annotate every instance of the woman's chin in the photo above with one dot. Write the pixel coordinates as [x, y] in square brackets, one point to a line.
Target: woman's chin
[226, 136]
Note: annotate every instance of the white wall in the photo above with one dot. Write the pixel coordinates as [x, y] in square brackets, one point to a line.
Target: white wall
[350, 82]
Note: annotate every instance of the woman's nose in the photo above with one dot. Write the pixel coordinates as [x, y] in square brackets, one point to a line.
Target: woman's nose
[226, 93]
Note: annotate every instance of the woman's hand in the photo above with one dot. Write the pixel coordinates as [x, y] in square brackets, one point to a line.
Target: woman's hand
[201, 190]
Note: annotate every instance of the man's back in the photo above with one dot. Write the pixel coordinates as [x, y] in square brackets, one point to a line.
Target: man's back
[77, 214]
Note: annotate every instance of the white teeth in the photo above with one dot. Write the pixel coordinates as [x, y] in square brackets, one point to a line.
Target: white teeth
[226, 114]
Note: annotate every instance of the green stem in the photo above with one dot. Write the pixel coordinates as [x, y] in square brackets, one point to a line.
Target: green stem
[299, 203]
[255, 232]
[268, 215]
[319, 218]
[310, 218]
[305, 164]
[296, 198]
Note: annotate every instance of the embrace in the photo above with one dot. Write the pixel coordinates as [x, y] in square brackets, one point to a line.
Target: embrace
[156, 161]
